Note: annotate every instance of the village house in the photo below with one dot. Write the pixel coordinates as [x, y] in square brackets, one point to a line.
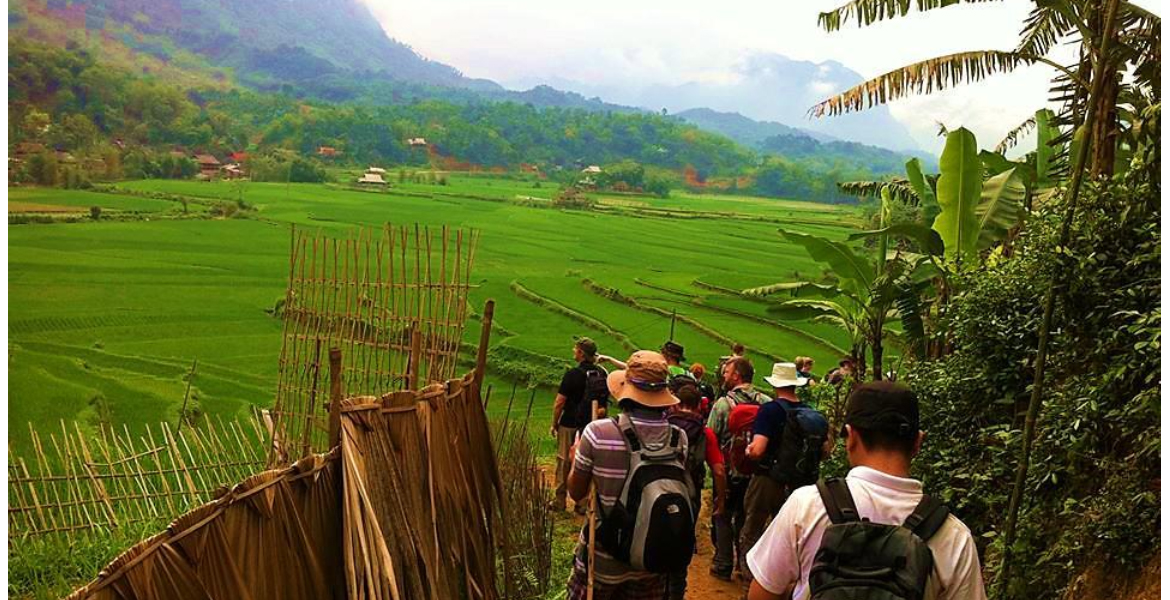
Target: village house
[413, 142]
[327, 151]
[208, 165]
[231, 171]
[371, 179]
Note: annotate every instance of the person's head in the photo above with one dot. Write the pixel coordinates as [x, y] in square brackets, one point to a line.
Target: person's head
[584, 350]
[645, 381]
[881, 426]
[846, 364]
[673, 352]
[737, 349]
[689, 397]
[698, 371]
[804, 364]
[737, 371]
[785, 379]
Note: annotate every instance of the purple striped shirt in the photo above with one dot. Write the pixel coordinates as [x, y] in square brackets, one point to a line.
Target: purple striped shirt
[602, 453]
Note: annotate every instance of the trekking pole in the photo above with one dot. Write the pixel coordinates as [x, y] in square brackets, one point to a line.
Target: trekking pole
[592, 522]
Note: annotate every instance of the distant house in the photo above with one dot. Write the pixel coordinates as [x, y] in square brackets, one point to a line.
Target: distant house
[371, 179]
[208, 165]
[231, 171]
[327, 151]
[238, 157]
[376, 170]
[24, 150]
[591, 170]
[416, 142]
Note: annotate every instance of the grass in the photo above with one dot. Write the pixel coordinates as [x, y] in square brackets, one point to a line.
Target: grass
[121, 308]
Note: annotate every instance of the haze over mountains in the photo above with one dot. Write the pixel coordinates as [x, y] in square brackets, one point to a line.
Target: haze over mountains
[335, 50]
[768, 87]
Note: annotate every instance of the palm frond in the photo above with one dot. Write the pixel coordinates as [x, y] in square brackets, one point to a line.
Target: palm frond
[1015, 134]
[868, 12]
[1043, 28]
[923, 77]
[942, 129]
[899, 189]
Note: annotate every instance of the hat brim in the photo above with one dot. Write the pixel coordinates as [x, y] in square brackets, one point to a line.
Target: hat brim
[621, 389]
[776, 382]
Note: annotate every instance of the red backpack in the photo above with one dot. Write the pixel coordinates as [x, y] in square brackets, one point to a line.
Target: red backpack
[739, 424]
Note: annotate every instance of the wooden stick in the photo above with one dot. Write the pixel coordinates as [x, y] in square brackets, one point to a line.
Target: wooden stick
[334, 397]
[187, 393]
[98, 487]
[592, 520]
[485, 334]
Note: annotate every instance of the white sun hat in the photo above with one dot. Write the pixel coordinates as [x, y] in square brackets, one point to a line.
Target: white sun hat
[784, 375]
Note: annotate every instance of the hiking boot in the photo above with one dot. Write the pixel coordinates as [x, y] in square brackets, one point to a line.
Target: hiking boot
[721, 575]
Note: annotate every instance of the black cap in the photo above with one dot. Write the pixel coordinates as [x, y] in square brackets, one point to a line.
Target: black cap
[673, 349]
[883, 406]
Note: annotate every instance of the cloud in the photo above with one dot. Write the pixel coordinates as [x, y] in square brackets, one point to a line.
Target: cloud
[608, 43]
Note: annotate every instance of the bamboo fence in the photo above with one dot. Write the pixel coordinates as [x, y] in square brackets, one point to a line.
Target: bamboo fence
[394, 302]
[81, 484]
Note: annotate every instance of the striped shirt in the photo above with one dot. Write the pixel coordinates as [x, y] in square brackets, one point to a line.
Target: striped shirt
[603, 454]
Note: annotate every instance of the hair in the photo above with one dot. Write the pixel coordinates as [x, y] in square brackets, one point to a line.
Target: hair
[698, 370]
[737, 349]
[876, 439]
[587, 347]
[802, 362]
[847, 361]
[689, 396]
[744, 367]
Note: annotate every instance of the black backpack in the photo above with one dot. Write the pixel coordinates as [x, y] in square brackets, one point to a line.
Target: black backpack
[693, 425]
[651, 527]
[796, 459]
[596, 388]
[859, 559]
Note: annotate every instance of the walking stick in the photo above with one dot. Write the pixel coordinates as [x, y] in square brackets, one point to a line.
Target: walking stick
[592, 521]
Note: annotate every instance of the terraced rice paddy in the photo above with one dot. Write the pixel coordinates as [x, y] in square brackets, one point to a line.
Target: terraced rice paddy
[106, 317]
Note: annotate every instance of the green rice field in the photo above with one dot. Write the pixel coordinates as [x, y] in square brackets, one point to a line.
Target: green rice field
[106, 317]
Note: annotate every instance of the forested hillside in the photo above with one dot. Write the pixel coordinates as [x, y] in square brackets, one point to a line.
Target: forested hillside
[71, 101]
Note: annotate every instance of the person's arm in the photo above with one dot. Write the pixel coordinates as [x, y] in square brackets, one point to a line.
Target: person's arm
[967, 578]
[581, 457]
[755, 449]
[718, 419]
[719, 477]
[611, 360]
[558, 408]
[757, 592]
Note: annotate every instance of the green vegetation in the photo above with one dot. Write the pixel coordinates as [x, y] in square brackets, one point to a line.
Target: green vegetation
[120, 308]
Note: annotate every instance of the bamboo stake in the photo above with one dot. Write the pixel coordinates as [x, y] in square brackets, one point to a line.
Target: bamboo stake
[335, 397]
[94, 482]
[178, 464]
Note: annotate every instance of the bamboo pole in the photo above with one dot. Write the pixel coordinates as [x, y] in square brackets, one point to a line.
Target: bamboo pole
[96, 484]
[335, 397]
[1099, 77]
[485, 333]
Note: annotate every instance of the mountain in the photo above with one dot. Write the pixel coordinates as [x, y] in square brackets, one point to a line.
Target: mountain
[779, 139]
[264, 43]
[766, 87]
[748, 132]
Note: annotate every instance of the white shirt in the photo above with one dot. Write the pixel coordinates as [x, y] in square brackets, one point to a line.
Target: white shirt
[784, 555]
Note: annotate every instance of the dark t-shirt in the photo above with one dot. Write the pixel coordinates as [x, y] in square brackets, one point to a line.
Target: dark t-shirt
[576, 413]
[770, 423]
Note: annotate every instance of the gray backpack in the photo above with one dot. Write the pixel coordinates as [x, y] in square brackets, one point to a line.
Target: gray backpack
[651, 527]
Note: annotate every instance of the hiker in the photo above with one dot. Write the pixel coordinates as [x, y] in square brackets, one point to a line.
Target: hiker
[702, 453]
[698, 371]
[733, 441]
[635, 462]
[674, 354]
[789, 439]
[845, 369]
[804, 367]
[573, 409]
[737, 351]
[816, 542]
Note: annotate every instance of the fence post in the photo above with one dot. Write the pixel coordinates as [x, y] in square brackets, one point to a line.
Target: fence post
[412, 360]
[334, 396]
[485, 334]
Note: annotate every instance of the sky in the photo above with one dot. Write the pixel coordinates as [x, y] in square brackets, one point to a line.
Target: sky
[640, 42]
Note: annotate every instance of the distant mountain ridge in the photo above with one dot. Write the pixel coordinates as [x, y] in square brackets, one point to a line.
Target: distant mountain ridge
[779, 139]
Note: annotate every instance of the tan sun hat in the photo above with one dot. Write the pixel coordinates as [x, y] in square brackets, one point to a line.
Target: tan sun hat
[645, 380]
[784, 375]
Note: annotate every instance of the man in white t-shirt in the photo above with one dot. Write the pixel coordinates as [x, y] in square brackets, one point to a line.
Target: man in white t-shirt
[881, 435]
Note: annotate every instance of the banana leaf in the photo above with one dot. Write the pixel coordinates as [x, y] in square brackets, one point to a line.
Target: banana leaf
[960, 186]
[928, 240]
[1001, 206]
[854, 273]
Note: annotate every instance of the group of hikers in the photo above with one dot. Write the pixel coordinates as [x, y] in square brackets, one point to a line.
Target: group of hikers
[786, 532]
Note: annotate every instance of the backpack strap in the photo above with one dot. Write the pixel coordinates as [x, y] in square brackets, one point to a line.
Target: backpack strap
[928, 517]
[627, 428]
[674, 435]
[838, 501]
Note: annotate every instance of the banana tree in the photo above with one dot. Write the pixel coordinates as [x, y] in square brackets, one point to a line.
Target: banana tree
[861, 301]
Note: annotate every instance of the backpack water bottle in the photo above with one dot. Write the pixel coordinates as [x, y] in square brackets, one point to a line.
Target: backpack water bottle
[651, 527]
[862, 560]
